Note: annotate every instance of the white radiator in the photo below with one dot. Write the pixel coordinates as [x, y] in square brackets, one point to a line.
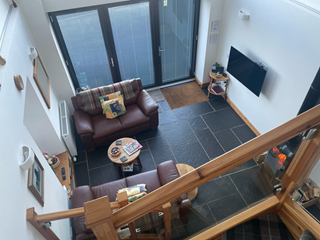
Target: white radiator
[67, 128]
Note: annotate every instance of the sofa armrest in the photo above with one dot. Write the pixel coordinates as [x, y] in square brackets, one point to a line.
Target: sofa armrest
[167, 172]
[146, 103]
[83, 122]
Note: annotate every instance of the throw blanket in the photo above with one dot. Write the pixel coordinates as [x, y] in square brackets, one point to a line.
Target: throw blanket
[90, 98]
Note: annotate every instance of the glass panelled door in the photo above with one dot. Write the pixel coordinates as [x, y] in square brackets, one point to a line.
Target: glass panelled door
[150, 40]
[84, 41]
[132, 39]
[176, 20]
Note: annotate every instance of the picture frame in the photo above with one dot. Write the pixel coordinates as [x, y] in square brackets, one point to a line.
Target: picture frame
[42, 79]
[36, 180]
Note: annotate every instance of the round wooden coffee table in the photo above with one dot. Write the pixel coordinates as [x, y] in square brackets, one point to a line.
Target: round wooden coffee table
[134, 158]
[184, 169]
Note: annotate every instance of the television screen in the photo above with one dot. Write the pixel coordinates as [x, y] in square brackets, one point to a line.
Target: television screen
[246, 71]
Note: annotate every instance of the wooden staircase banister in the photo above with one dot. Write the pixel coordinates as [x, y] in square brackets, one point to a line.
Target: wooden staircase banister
[216, 167]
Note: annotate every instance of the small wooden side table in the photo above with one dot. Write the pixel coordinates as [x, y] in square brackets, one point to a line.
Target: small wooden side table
[134, 158]
[216, 79]
[184, 169]
[64, 162]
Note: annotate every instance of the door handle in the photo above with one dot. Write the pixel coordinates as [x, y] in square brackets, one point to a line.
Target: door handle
[112, 63]
[160, 51]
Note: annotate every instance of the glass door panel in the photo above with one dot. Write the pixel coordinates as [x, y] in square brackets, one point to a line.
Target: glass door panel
[132, 38]
[84, 41]
[176, 38]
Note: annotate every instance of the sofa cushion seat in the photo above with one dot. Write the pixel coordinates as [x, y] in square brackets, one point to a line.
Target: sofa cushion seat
[109, 189]
[104, 127]
[134, 117]
[150, 178]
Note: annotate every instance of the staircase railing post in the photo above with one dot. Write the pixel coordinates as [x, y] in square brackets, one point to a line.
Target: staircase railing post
[98, 215]
[123, 201]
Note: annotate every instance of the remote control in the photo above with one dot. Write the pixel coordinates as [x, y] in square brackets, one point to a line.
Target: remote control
[63, 171]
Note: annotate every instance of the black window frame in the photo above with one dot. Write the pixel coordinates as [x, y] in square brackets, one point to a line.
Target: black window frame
[105, 23]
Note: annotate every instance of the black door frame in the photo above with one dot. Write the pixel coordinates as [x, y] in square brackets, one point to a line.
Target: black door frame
[105, 24]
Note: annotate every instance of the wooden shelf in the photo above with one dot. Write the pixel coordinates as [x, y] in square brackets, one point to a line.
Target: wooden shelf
[64, 162]
[213, 79]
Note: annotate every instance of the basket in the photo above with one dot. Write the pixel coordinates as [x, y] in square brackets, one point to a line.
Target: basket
[117, 154]
[57, 163]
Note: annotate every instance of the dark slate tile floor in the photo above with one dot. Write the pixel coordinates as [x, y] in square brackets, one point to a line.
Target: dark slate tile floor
[192, 135]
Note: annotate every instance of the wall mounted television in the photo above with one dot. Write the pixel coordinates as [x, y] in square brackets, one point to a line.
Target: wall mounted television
[246, 71]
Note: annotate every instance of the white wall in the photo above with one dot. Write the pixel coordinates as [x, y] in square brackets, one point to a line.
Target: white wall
[15, 197]
[286, 37]
[210, 10]
[41, 30]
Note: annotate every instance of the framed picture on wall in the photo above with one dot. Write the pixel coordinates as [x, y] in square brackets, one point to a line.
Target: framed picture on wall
[36, 180]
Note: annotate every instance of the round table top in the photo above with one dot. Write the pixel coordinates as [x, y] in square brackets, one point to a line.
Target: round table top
[218, 78]
[184, 169]
[116, 159]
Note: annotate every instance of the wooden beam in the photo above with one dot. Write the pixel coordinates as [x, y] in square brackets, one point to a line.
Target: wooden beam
[99, 218]
[217, 167]
[257, 211]
[297, 220]
[244, 118]
[47, 233]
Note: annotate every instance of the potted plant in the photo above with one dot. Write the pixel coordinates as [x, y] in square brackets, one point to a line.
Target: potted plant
[53, 160]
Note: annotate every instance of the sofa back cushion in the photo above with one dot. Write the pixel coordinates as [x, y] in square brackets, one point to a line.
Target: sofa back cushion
[78, 104]
[109, 189]
[150, 178]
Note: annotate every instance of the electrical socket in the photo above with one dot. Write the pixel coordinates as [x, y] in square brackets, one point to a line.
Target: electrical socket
[259, 62]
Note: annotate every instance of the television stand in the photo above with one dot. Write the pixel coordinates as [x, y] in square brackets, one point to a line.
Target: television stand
[214, 86]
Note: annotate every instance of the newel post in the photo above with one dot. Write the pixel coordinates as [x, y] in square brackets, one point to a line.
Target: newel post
[98, 215]
[123, 201]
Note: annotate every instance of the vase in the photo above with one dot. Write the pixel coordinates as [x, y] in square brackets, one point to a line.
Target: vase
[57, 162]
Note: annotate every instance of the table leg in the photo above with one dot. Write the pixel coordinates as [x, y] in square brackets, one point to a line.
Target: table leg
[121, 173]
[139, 163]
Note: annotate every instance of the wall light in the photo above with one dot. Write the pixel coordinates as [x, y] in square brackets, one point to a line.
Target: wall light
[33, 53]
[26, 158]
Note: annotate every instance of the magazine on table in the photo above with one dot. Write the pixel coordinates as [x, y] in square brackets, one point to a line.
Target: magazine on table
[132, 147]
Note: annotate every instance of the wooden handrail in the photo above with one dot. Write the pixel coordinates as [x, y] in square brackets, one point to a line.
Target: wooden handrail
[262, 208]
[76, 212]
[217, 167]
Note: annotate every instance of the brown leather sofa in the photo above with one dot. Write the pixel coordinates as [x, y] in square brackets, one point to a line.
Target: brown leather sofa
[95, 130]
[165, 173]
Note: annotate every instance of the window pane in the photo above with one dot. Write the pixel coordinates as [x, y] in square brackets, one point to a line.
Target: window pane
[176, 36]
[82, 34]
[132, 36]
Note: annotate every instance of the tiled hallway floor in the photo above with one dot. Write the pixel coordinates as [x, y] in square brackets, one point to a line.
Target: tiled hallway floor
[193, 135]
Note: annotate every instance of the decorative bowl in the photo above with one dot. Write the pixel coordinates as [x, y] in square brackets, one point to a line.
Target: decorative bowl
[115, 152]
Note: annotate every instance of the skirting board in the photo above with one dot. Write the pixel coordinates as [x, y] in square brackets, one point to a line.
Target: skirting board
[202, 85]
[243, 117]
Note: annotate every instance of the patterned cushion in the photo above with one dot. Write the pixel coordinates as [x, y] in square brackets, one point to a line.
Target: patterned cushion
[109, 96]
[114, 108]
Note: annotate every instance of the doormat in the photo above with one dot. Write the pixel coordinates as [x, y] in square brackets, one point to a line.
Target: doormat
[184, 95]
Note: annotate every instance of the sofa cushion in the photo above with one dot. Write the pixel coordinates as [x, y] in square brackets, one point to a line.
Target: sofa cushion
[109, 189]
[150, 178]
[134, 117]
[104, 127]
